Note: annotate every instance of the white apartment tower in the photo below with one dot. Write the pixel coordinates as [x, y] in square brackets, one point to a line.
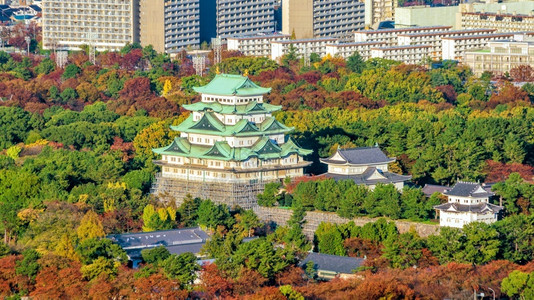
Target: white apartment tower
[106, 24]
[244, 17]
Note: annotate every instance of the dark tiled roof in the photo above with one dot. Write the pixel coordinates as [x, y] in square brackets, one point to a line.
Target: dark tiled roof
[430, 189]
[166, 238]
[338, 264]
[468, 189]
[476, 208]
[367, 177]
[180, 249]
[361, 156]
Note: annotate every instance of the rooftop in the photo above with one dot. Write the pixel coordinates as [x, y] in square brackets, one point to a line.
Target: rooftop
[334, 263]
[475, 208]
[175, 237]
[359, 156]
[231, 85]
[371, 176]
[468, 189]
[389, 30]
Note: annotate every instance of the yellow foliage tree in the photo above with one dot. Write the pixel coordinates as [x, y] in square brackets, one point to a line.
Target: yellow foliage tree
[65, 248]
[167, 87]
[154, 136]
[90, 227]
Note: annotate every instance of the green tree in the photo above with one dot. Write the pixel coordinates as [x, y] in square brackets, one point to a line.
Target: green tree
[160, 219]
[246, 222]
[29, 265]
[384, 200]
[517, 238]
[189, 211]
[481, 243]
[351, 203]
[519, 285]
[181, 267]
[46, 66]
[355, 62]
[329, 239]
[210, 215]
[295, 238]
[71, 71]
[155, 255]
[403, 251]
[269, 197]
[448, 245]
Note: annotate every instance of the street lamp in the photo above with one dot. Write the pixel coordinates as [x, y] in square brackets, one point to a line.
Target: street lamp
[492, 292]
[27, 39]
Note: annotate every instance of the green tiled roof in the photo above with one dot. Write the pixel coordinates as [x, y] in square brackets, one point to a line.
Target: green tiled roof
[210, 124]
[251, 107]
[263, 149]
[229, 85]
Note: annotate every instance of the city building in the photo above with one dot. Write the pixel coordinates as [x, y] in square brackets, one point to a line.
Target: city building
[347, 49]
[234, 17]
[230, 146]
[433, 39]
[170, 25]
[501, 21]
[377, 11]
[105, 24]
[257, 45]
[364, 165]
[501, 56]
[303, 47]
[332, 266]
[467, 202]
[389, 36]
[322, 18]
[410, 54]
[453, 48]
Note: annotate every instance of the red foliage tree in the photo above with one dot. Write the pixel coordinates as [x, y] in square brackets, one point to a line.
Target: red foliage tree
[522, 73]
[214, 282]
[157, 286]
[497, 171]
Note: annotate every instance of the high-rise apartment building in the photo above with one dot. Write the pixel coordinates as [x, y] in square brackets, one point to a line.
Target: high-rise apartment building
[170, 25]
[236, 17]
[105, 24]
[377, 11]
[322, 18]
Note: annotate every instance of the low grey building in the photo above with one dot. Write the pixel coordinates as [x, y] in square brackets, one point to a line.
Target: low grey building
[331, 266]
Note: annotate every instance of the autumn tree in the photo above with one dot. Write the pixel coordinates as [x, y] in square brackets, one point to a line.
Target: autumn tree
[90, 227]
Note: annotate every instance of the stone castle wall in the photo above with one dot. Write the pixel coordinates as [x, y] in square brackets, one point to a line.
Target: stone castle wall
[280, 217]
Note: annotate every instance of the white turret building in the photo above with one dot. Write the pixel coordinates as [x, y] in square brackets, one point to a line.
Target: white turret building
[467, 202]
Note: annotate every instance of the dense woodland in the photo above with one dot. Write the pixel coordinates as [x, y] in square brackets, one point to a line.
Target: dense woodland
[76, 165]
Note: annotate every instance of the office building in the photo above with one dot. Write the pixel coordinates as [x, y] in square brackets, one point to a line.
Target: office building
[501, 56]
[322, 18]
[170, 25]
[229, 147]
[257, 45]
[106, 24]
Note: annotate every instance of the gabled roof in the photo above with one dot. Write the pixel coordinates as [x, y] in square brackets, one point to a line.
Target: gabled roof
[231, 85]
[263, 149]
[210, 124]
[430, 189]
[474, 208]
[468, 189]
[371, 176]
[359, 156]
[253, 107]
[333, 263]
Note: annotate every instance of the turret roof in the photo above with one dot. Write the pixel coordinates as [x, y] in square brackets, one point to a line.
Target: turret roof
[264, 148]
[231, 85]
[250, 108]
[210, 124]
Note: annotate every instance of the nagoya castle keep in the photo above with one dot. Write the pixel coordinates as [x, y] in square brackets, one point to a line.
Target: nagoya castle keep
[229, 147]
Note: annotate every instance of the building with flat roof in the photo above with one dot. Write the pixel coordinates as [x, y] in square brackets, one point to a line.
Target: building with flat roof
[236, 17]
[229, 147]
[105, 24]
[453, 48]
[377, 11]
[364, 165]
[389, 36]
[501, 21]
[500, 56]
[302, 47]
[170, 25]
[433, 39]
[347, 49]
[409, 54]
[467, 202]
[322, 18]
[332, 266]
[256, 45]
